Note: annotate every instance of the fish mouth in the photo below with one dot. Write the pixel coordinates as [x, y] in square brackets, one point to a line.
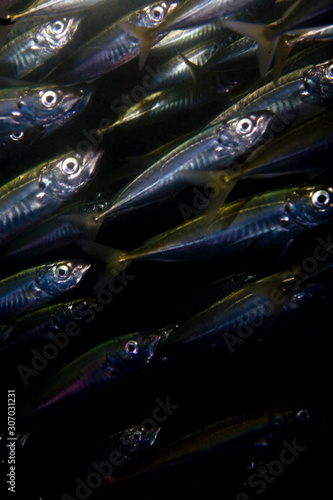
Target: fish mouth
[91, 159]
[153, 346]
[80, 270]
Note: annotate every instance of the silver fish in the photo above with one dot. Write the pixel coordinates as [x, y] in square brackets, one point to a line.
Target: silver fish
[212, 148]
[36, 194]
[30, 50]
[29, 105]
[35, 287]
[105, 365]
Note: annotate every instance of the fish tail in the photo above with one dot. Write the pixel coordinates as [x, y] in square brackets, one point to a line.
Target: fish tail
[260, 32]
[113, 260]
[222, 184]
[88, 224]
[282, 52]
[147, 36]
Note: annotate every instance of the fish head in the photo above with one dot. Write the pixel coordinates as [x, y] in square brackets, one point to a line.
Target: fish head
[44, 104]
[318, 80]
[301, 417]
[310, 206]
[243, 133]
[57, 33]
[137, 440]
[20, 139]
[154, 15]
[133, 352]
[56, 278]
[64, 176]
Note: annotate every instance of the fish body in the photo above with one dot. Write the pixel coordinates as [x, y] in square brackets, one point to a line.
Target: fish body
[105, 365]
[176, 69]
[35, 287]
[36, 194]
[246, 225]
[210, 149]
[295, 151]
[248, 311]
[180, 40]
[243, 434]
[39, 326]
[26, 106]
[30, 50]
[300, 95]
[189, 14]
[113, 46]
[49, 7]
[54, 233]
[180, 98]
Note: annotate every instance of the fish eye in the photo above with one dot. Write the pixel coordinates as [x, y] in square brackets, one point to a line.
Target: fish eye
[57, 27]
[17, 137]
[99, 207]
[303, 415]
[157, 13]
[62, 272]
[329, 72]
[137, 435]
[321, 199]
[70, 166]
[132, 347]
[244, 126]
[49, 99]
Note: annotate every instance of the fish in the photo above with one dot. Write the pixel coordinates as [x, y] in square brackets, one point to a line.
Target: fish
[49, 7]
[112, 47]
[299, 96]
[207, 295]
[104, 366]
[191, 94]
[183, 40]
[242, 227]
[34, 287]
[176, 69]
[37, 193]
[23, 106]
[249, 311]
[30, 50]
[303, 150]
[53, 233]
[12, 144]
[240, 52]
[250, 434]
[293, 38]
[58, 231]
[40, 326]
[189, 14]
[133, 444]
[210, 149]
[269, 35]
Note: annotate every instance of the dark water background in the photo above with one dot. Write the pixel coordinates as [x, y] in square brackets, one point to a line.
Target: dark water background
[288, 367]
